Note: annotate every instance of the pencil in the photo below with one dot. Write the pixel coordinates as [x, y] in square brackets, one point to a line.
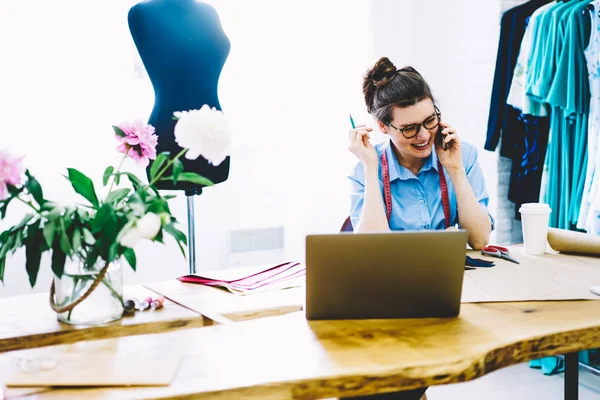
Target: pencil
[352, 121]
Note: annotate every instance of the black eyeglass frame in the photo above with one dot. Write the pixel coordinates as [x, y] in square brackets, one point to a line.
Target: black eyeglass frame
[437, 113]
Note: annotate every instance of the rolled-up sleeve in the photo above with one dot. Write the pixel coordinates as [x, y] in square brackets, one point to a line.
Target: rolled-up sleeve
[357, 193]
[476, 179]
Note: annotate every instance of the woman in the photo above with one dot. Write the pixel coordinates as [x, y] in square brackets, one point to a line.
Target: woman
[421, 174]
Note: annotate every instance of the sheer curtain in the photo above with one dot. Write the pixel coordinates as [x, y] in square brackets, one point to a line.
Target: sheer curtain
[70, 70]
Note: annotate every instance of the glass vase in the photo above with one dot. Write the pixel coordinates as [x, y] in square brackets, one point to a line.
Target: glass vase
[104, 304]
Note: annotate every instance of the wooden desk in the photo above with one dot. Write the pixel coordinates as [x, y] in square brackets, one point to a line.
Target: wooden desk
[287, 357]
[28, 321]
[217, 303]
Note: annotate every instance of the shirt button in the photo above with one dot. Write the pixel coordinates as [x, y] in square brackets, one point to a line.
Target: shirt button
[421, 201]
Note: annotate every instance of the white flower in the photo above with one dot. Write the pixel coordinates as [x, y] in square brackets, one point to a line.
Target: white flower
[146, 227]
[130, 237]
[204, 132]
[149, 225]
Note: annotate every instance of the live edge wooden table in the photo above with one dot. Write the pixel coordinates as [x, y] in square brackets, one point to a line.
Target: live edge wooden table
[288, 357]
[28, 321]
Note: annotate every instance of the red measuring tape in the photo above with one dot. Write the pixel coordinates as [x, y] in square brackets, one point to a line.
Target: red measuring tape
[388, 193]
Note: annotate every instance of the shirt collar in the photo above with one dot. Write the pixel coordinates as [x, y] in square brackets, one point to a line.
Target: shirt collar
[399, 172]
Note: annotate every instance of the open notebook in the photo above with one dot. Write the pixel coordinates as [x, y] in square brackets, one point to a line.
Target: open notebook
[255, 279]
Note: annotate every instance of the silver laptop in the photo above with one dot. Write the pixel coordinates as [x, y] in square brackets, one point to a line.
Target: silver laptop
[401, 274]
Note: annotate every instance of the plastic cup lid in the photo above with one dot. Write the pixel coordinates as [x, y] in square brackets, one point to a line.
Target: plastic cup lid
[535, 208]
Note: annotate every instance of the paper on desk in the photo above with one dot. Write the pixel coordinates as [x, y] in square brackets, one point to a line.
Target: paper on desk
[536, 278]
[81, 369]
[257, 279]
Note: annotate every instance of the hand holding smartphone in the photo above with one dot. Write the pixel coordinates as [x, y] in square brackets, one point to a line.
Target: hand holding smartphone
[440, 137]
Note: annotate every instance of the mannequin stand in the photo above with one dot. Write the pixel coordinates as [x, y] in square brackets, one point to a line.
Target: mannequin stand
[191, 228]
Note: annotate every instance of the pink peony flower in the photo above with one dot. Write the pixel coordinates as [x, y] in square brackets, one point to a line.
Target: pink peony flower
[139, 142]
[11, 172]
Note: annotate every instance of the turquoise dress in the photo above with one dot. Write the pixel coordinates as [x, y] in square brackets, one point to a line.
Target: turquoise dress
[560, 79]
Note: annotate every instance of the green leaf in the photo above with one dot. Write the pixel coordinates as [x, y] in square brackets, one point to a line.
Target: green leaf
[176, 233]
[117, 195]
[23, 222]
[118, 131]
[130, 257]
[34, 187]
[101, 217]
[2, 264]
[65, 245]
[157, 206]
[48, 206]
[58, 259]
[18, 239]
[54, 214]
[6, 246]
[177, 170]
[33, 252]
[181, 248]
[159, 237]
[88, 237]
[107, 235]
[76, 240]
[83, 185]
[92, 256]
[193, 178]
[135, 181]
[158, 163]
[107, 173]
[49, 230]
[3, 209]
[83, 214]
[112, 252]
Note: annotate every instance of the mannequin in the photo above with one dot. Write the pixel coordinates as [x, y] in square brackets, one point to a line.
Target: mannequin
[183, 48]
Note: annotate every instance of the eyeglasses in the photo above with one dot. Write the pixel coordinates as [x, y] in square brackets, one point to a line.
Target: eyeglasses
[411, 131]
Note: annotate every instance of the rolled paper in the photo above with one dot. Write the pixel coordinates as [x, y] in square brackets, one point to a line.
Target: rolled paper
[566, 241]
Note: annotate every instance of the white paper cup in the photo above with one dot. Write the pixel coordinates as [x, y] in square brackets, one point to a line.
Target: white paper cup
[534, 218]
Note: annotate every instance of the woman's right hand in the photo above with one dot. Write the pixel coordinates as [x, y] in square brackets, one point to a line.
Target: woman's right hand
[361, 147]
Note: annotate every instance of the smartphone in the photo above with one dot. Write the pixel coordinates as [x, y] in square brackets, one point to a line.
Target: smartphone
[440, 138]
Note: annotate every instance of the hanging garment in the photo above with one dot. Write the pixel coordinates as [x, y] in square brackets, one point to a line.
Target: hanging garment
[503, 120]
[590, 202]
[517, 97]
[565, 86]
[526, 171]
[530, 147]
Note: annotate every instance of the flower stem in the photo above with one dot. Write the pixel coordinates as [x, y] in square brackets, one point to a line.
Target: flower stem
[113, 291]
[166, 167]
[116, 173]
[30, 204]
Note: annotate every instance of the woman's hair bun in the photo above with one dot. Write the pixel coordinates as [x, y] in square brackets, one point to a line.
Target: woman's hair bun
[382, 72]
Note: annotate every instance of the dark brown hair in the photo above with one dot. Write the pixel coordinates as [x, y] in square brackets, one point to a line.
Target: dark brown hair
[385, 87]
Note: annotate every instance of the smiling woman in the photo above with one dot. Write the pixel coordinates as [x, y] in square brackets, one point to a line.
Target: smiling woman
[429, 179]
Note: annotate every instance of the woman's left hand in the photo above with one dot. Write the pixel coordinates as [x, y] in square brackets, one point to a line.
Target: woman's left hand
[451, 158]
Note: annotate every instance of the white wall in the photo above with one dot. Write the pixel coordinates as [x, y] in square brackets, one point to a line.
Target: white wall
[287, 88]
[453, 44]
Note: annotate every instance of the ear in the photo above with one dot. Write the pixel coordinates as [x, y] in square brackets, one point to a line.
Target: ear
[382, 127]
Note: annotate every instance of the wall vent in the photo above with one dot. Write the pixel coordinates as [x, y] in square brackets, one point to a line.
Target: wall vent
[256, 239]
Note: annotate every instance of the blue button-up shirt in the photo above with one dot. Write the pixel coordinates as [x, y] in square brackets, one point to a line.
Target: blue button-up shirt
[417, 200]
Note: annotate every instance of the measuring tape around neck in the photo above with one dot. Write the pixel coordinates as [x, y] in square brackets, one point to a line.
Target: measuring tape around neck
[388, 193]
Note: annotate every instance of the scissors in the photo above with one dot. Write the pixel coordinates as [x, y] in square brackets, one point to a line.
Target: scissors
[499, 252]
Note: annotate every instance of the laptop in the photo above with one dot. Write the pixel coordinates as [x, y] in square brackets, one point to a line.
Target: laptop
[400, 274]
